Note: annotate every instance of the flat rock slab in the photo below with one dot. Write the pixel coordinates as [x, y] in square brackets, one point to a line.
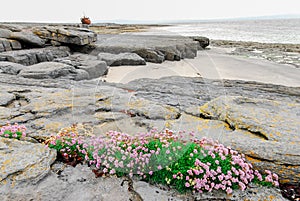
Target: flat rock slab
[122, 59]
[17, 168]
[263, 117]
[34, 56]
[80, 183]
[151, 48]
[28, 38]
[250, 125]
[66, 35]
[153, 193]
[72, 184]
[52, 70]
[271, 125]
[89, 63]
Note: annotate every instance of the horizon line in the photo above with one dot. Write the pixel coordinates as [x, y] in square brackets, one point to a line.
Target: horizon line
[128, 21]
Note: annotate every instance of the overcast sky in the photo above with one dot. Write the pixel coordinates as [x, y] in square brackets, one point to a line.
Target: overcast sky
[152, 10]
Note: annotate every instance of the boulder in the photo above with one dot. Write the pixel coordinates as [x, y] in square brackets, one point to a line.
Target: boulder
[5, 33]
[34, 56]
[203, 41]
[52, 70]
[15, 45]
[66, 35]
[28, 39]
[88, 63]
[10, 68]
[5, 45]
[151, 55]
[121, 59]
[23, 161]
[8, 45]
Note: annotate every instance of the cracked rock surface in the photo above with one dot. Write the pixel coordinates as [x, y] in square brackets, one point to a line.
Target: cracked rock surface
[259, 120]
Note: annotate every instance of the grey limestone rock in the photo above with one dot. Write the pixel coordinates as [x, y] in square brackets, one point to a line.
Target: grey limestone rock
[10, 68]
[28, 38]
[8, 45]
[77, 183]
[153, 193]
[66, 35]
[5, 45]
[170, 47]
[151, 55]
[34, 56]
[12, 27]
[88, 63]
[263, 120]
[121, 59]
[15, 45]
[5, 33]
[17, 168]
[6, 98]
[259, 120]
[51, 70]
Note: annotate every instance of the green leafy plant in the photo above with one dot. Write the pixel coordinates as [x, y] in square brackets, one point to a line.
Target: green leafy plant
[197, 165]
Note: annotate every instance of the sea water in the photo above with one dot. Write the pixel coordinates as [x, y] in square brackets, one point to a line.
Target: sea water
[256, 30]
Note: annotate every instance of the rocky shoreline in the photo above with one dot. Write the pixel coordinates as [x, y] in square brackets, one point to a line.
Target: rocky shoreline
[52, 79]
[276, 52]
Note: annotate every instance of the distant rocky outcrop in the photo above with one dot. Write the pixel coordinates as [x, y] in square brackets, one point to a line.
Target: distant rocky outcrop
[20, 36]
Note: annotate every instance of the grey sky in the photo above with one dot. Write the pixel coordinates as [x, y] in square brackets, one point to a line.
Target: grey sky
[154, 10]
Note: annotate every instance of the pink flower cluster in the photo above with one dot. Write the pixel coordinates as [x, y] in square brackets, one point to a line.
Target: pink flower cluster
[119, 152]
[69, 144]
[208, 165]
[13, 131]
[205, 176]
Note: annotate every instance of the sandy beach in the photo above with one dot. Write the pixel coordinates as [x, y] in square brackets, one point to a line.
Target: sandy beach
[213, 63]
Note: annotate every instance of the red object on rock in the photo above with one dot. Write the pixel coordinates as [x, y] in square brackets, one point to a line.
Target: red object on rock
[85, 20]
